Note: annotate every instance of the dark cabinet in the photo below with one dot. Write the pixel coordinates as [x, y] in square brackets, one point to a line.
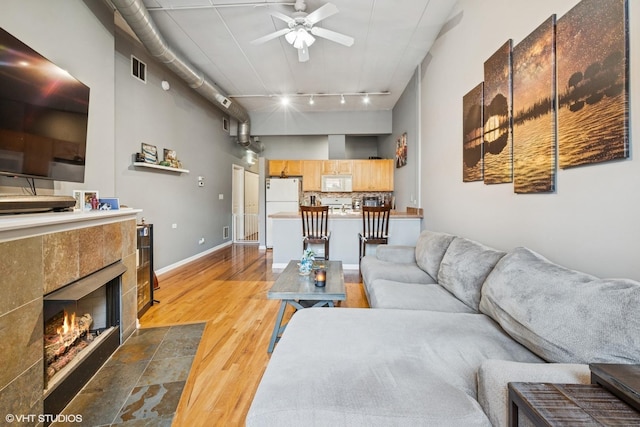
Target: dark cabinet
[144, 267]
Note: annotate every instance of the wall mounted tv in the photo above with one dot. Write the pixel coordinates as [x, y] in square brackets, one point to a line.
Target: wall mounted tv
[43, 116]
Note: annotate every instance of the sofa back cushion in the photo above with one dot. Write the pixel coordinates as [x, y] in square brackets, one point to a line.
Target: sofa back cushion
[563, 315]
[464, 268]
[430, 249]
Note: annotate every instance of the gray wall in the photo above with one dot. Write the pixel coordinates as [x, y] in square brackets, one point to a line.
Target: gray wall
[286, 122]
[405, 119]
[590, 223]
[182, 120]
[79, 38]
[312, 147]
[316, 147]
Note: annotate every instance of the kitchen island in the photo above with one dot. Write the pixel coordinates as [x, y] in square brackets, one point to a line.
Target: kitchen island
[404, 229]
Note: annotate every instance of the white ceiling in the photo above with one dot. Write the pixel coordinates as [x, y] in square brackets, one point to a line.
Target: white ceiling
[391, 38]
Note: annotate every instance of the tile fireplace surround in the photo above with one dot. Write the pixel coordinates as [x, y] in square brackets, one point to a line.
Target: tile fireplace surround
[40, 253]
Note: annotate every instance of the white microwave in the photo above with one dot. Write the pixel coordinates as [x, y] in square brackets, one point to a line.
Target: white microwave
[337, 183]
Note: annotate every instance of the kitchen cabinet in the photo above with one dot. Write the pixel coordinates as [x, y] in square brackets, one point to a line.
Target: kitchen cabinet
[373, 175]
[337, 167]
[311, 175]
[285, 167]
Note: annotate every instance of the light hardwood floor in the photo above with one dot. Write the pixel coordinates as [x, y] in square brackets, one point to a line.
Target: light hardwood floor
[228, 290]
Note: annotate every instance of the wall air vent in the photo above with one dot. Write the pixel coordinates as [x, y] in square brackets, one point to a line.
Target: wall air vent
[138, 69]
[225, 232]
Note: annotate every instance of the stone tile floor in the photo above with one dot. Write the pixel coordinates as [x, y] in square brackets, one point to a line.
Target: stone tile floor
[141, 383]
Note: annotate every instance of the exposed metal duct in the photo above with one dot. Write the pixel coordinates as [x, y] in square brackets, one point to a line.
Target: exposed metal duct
[137, 17]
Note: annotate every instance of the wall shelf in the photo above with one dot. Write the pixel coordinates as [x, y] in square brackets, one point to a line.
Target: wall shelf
[164, 168]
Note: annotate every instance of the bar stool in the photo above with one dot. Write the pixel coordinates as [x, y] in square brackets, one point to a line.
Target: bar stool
[315, 227]
[375, 227]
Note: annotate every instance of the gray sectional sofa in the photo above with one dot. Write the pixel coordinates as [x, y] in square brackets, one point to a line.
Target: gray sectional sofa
[451, 322]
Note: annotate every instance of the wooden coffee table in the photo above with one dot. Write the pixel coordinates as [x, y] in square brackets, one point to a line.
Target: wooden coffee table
[300, 292]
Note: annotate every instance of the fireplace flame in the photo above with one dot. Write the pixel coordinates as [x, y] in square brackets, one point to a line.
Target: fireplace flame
[68, 325]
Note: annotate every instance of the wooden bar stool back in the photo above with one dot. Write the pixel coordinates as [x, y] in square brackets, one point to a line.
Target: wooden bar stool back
[375, 227]
[315, 229]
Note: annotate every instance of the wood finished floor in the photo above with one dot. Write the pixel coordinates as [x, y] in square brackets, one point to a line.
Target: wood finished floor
[228, 291]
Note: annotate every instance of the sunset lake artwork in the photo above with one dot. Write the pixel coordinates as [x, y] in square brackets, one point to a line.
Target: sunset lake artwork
[472, 135]
[498, 165]
[593, 67]
[534, 133]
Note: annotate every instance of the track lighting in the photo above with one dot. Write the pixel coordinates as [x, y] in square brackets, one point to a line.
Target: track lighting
[287, 99]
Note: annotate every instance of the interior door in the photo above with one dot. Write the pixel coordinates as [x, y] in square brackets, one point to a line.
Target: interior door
[251, 187]
[237, 202]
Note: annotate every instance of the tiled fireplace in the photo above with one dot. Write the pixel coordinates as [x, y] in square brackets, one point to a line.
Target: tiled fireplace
[42, 258]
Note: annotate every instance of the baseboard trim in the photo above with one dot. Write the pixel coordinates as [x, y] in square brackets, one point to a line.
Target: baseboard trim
[192, 258]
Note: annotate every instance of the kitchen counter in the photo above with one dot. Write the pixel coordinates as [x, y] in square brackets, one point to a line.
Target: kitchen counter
[404, 229]
[345, 215]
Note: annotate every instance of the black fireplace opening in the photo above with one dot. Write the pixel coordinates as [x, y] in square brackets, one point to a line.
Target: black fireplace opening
[81, 331]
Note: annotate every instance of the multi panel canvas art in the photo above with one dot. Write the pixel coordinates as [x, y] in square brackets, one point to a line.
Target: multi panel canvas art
[560, 98]
[534, 133]
[593, 110]
[497, 117]
[472, 125]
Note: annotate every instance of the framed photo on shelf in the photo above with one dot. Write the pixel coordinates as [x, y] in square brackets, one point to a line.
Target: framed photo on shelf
[109, 204]
[150, 153]
[86, 200]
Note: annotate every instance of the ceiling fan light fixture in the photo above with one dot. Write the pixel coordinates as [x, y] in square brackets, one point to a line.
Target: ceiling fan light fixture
[342, 100]
[311, 101]
[290, 37]
[301, 38]
[366, 99]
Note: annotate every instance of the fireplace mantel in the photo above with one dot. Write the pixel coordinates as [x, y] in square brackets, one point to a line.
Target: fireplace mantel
[20, 226]
[40, 253]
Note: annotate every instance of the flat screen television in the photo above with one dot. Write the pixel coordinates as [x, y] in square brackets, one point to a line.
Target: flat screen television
[43, 116]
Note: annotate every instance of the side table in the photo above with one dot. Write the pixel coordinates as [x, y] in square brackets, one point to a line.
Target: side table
[547, 404]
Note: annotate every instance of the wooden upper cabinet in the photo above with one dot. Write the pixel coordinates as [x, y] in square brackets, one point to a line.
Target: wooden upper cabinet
[373, 175]
[337, 167]
[285, 167]
[311, 175]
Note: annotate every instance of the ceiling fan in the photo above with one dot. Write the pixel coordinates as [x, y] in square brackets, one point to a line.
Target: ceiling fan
[301, 28]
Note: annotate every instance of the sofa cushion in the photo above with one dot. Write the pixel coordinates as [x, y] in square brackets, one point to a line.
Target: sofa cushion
[389, 294]
[373, 269]
[563, 315]
[396, 253]
[363, 367]
[464, 267]
[495, 375]
[430, 249]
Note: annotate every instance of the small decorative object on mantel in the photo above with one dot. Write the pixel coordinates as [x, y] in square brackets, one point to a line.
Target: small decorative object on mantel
[86, 200]
[321, 277]
[306, 262]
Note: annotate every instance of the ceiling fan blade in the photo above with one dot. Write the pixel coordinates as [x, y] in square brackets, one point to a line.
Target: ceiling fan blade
[271, 36]
[289, 20]
[333, 36]
[303, 53]
[321, 13]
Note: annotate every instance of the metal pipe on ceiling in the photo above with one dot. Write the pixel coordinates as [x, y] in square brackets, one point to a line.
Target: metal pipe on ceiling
[137, 17]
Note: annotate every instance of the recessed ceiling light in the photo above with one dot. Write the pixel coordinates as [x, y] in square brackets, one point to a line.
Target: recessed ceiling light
[342, 101]
[311, 101]
[284, 100]
[366, 99]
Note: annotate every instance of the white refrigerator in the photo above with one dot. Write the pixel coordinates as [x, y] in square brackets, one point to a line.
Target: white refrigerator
[282, 195]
